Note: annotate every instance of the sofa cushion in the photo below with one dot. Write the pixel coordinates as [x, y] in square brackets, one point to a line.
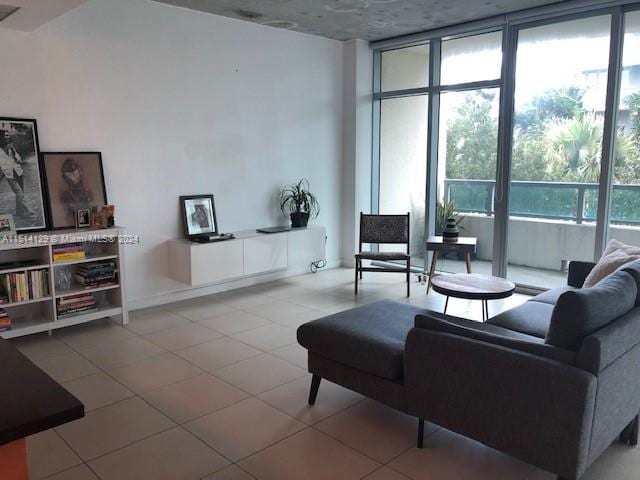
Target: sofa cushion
[531, 318]
[551, 296]
[579, 313]
[634, 270]
[495, 335]
[370, 338]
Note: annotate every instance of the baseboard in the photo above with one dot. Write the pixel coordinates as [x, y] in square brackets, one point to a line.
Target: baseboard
[348, 262]
[195, 292]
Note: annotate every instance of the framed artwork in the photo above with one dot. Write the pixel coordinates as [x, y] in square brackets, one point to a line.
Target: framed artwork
[73, 181]
[199, 215]
[21, 186]
[7, 225]
[83, 218]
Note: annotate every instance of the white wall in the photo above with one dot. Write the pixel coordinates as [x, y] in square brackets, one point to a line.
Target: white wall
[181, 102]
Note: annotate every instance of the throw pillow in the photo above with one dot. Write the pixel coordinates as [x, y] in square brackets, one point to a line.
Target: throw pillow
[615, 256]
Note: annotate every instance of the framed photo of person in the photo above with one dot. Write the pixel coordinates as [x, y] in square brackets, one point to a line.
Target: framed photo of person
[198, 215]
[73, 181]
[7, 226]
[83, 218]
[21, 185]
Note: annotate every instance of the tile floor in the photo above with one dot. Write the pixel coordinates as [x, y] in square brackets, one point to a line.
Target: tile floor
[216, 389]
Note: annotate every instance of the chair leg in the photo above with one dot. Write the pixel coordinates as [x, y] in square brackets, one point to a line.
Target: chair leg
[356, 277]
[408, 279]
[360, 269]
[315, 385]
[420, 433]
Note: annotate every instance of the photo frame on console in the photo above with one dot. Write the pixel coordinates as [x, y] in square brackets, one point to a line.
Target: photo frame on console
[198, 215]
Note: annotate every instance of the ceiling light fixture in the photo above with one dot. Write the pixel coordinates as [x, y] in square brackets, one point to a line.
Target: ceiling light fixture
[280, 24]
[347, 6]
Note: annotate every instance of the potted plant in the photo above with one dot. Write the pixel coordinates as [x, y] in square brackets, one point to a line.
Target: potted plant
[299, 203]
[448, 221]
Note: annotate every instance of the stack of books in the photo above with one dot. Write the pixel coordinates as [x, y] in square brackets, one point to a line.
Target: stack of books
[73, 304]
[97, 274]
[23, 286]
[68, 252]
[5, 320]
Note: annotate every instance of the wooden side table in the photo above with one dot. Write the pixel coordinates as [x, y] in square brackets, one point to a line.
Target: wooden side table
[464, 245]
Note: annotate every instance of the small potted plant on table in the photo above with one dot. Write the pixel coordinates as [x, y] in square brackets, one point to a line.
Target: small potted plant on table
[299, 203]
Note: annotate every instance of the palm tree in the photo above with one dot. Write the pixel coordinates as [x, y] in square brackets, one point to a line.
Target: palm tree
[576, 147]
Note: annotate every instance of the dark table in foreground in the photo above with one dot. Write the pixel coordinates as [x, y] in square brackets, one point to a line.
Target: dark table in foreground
[473, 286]
[31, 402]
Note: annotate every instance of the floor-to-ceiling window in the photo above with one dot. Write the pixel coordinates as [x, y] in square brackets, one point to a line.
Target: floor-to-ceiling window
[468, 140]
[515, 136]
[403, 139]
[625, 196]
[560, 93]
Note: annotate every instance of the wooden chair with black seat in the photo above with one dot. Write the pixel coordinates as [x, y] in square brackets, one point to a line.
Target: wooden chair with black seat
[384, 229]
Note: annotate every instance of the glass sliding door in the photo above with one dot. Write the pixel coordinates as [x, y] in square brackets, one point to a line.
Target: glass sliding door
[467, 170]
[560, 96]
[624, 220]
[403, 141]
[468, 143]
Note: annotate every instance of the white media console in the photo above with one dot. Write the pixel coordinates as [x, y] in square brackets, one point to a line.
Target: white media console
[249, 254]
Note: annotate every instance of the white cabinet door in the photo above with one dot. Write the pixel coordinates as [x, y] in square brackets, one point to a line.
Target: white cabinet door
[214, 262]
[265, 253]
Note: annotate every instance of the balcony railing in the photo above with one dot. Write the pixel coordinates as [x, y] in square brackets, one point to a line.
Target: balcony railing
[574, 202]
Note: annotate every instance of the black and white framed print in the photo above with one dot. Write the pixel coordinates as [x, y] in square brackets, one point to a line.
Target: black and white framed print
[74, 181]
[199, 215]
[21, 188]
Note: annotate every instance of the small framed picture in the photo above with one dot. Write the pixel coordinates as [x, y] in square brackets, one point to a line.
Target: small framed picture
[97, 218]
[74, 181]
[7, 226]
[108, 212]
[83, 218]
[198, 215]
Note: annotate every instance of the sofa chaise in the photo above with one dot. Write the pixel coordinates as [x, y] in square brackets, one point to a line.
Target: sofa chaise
[552, 382]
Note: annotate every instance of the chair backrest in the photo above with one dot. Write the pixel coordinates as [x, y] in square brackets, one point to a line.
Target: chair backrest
[384, 229]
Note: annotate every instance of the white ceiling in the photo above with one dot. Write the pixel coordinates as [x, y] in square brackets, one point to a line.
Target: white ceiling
[35, 13]
[366, 19]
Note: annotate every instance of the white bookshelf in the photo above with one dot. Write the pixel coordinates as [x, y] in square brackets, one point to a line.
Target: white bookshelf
[39, 314]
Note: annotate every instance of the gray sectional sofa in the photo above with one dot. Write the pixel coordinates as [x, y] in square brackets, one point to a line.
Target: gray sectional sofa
[552, 382]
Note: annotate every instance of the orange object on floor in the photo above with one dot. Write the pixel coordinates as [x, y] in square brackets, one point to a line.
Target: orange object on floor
[13, 461]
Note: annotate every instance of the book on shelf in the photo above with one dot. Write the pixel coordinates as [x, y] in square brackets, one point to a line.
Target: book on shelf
[68, 252]
[72, 304]
[19, 287]
[92, 275]
[5, 320]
